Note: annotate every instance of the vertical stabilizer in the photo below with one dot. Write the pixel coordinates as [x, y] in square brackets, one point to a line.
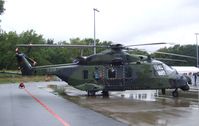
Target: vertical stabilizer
[24, 64]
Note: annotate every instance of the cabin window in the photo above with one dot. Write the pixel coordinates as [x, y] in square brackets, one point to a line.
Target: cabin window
[111, 73]
[85, 74]
[159, 69]
[128, 72]
[96, 73]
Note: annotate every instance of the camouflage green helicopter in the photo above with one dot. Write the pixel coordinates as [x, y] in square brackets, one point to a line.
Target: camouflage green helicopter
[111, 70]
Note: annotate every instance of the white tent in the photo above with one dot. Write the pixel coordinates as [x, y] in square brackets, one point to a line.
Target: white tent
[189, 71]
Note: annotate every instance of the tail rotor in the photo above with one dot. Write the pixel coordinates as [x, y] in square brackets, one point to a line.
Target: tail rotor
[25, 63]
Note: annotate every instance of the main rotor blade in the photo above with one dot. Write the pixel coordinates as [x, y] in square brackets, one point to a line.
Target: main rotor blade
[157, 43]
[7, 72]
[173, 54]
[174, 60]
[59, 46]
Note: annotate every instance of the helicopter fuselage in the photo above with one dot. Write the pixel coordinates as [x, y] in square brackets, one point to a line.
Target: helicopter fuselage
[122, 77]
[108, 77]
[111, 70]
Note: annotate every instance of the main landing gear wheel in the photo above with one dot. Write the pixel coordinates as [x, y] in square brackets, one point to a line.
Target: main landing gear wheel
[105, 93]
[175, 93]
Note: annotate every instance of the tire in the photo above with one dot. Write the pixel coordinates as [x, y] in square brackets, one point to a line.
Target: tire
[175, 94]
[105, 93]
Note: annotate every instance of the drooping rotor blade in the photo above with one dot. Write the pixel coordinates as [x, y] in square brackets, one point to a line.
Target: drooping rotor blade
[174, 60]
[9, 72]
[58, 46]
[157, 43]
[173, 54]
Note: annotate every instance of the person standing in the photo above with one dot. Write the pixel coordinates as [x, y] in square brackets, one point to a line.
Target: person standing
[195, 79]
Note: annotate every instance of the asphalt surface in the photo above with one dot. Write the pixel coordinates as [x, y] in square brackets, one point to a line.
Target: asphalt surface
[34, 106]
[139, 111]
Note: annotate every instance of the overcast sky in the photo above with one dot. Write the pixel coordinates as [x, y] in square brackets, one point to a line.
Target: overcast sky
[120, 21]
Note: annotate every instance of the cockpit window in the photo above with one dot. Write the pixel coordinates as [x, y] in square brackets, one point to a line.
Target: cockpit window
[168, 69]
[159, 69]
[158, 65]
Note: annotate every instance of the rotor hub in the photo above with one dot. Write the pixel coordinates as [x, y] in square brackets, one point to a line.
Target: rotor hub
[117, 47]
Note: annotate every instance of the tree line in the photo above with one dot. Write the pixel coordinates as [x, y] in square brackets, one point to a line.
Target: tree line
[2, 9]
[48, 56]
[187, 50]
[43, 56]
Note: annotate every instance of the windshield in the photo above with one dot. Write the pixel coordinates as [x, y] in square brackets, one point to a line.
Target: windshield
[162, 69]
[168, 69]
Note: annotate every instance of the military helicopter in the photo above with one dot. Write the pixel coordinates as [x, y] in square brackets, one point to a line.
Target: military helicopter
[111, 70]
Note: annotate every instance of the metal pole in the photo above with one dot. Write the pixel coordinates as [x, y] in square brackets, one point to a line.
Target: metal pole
[1, 31]
[197, 60]
[94, 43]
[197, 48]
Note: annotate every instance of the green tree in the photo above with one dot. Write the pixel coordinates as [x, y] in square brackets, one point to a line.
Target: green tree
[37, 54]
[43, 56]
[7, 50]
[138, 52]
[8, 43]
[1, 7]
[188, 50]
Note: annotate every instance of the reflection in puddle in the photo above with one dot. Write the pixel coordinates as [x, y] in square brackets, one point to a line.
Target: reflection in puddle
[195, 107]
[144, 95]
[161, 122]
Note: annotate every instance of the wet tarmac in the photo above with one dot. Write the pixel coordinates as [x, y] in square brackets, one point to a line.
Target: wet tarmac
[157, 111]
[133, 108]
[36, 106]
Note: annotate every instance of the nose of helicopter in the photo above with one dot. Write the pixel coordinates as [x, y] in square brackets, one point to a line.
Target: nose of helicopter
[185, 80]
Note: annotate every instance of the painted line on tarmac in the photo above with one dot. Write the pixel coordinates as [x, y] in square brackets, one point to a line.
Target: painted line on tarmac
[48, 109]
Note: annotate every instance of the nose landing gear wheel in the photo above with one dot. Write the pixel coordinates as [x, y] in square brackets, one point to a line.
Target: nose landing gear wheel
[175, 93]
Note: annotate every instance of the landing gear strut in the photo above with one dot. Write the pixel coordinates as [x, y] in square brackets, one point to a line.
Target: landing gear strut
[91, 93]
[163, 91]
[105, 93]
[175, 93]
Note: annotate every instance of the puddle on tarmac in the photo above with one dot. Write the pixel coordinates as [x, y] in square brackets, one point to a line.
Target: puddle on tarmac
[140, 108]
